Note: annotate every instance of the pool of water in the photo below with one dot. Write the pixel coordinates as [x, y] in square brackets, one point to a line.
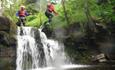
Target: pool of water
[79, 67]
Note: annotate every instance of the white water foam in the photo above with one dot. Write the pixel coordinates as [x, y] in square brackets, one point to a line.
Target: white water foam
[28, 53]
[54, 51]
[64, 67]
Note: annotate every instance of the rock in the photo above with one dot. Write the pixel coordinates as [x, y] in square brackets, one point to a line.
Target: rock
[7, 44]
[4, 24]
[100, 58]
[7, 58]
[47, 30]
[7, 31]
[4, 38]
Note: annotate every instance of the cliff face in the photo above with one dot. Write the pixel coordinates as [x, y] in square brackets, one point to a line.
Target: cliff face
[7, 44]
[81, 45]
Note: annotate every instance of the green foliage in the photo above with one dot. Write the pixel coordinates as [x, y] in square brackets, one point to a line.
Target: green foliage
[36, 20]
[31, 8]
[107, 11]
[74, 9]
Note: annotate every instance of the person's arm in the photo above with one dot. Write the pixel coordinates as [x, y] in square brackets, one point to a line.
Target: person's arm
[17, 13]
[26, 13]
[54, 11]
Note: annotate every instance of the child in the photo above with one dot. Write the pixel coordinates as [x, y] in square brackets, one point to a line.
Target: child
[22, 13]
[50, 11]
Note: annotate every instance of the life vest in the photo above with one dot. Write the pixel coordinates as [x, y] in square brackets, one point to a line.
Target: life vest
[50, 8]
[22, 13]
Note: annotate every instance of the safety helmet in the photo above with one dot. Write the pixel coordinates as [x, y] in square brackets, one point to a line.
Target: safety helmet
[53, 2]
[22, 6]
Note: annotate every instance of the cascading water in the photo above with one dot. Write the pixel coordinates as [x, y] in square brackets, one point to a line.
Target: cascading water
[54, 51]
[27, 53]
[31, 55]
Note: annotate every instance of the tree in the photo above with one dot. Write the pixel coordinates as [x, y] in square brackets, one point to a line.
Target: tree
[1, 7]
[65, 12]
[91, 24]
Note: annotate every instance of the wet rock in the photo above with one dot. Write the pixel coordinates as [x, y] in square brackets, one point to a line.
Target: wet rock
[7, 44]
[99, 58]
[48, 31]
[7, 31]
[7, 58]
[40, 45]
[4, 24]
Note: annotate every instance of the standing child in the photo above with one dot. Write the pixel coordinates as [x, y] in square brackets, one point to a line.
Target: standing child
[22, 13]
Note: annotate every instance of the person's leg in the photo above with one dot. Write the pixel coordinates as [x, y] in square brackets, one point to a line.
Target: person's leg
[22, 21]
[49, 15]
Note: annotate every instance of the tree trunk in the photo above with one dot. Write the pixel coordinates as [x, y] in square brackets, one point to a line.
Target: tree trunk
[65, 13]
[91, 24]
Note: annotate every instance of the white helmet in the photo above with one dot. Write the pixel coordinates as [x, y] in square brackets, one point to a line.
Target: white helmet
[22, 6]
[53, 1]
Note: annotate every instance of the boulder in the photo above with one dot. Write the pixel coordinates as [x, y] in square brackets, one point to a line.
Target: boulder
[7, 44]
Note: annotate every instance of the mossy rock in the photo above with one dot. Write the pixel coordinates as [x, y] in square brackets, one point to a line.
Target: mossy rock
[7, 32]
[7, 42]
[4, 24]
[4, 38]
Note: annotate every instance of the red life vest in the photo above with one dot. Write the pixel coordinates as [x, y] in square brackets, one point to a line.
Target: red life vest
[22, 13]
[50, 7]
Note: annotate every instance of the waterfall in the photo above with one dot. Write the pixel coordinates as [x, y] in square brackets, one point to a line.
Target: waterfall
[35, 50]
[27, 53]
[54, 51]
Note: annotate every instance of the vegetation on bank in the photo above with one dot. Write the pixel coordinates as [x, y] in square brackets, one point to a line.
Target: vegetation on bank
[69, 11]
